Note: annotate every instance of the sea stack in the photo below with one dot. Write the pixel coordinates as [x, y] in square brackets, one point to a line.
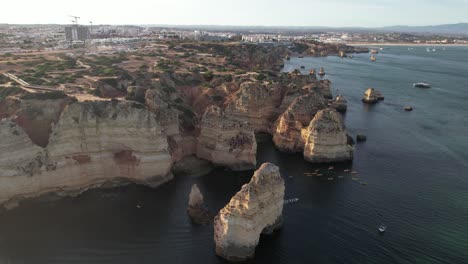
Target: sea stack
[289, 126]
[196, 207]
[340, 104]
[327, 140]
[257, 208]
[371, 96]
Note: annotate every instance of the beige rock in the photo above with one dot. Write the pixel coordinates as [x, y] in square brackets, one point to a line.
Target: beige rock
[196, 209]
[370, 96]
[340, 104]
[195, 197]
[256, 208]
[226, 141]
[93, 143]
[288, 127]
[255, 103]
[326, 139]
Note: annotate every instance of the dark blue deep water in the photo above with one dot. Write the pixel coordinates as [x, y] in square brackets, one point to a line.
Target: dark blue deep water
[415, 165]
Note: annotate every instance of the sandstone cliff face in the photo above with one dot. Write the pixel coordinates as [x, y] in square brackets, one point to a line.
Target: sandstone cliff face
[92, 143]
[326, 139]
[181, 144]
[256, 208]
[18, 156]
[255, 103]
[370, 96]
[225, 141]
[35, 116]
[288, 127]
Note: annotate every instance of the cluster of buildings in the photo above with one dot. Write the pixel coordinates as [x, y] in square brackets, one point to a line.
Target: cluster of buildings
[25, 38]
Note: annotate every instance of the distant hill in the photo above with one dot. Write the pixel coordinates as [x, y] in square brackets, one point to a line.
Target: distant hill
[449, 29]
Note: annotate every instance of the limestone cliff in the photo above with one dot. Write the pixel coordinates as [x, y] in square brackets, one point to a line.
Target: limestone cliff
[340, 104]
[256, 208]
[326, 139]
[226, 141]
[92, 143]
[288, 127]
[256, 103]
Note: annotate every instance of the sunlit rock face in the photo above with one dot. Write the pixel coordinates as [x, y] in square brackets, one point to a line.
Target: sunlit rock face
[371, 96]
[226, 141]
[326, 139]
[340, 104]
[288, 128]
[255, 103]
[93, 143]
[255, 209]
[196, 208]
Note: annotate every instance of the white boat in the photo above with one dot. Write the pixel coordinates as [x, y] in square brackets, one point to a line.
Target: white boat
[292, 200]
[421, 85]
[382, 228]
[428, 49]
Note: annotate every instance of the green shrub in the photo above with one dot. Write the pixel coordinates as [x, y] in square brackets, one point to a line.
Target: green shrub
[44, 96]
[7, 91]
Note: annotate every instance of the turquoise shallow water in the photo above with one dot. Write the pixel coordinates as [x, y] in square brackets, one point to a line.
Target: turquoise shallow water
[415, 164]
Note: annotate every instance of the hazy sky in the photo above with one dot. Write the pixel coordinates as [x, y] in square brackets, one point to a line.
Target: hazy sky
[370, 13]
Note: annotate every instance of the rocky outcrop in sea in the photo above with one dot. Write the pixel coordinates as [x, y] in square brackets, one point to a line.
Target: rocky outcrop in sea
[93, 143]
[255, 209]
[326, 138]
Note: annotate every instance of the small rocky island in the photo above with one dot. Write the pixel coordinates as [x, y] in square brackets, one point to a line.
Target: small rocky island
[256, 209]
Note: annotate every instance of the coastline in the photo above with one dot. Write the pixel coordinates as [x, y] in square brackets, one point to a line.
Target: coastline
[405, 44]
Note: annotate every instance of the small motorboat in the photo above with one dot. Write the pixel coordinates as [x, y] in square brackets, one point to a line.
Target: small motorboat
[312, 72]
[302, 67]
[382, 228]
[374, 51]
[292, 200]
[373, 58]
[421, 85]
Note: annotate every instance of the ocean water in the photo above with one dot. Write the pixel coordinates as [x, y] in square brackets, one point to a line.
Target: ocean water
[415, 165]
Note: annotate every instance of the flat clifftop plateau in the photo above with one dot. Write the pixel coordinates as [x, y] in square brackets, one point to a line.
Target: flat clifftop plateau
[257, 208]
[92, 143]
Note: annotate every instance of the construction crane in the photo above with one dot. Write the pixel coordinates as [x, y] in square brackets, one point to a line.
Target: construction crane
[75, 21]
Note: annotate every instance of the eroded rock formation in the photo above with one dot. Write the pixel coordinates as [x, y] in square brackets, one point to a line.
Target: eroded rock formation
[340, 104]
[256, 208]
[288, 128]
[255, 103]
[371, 96]
[196, 209]
[326, 139]
[226, 141]
[92, 143]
